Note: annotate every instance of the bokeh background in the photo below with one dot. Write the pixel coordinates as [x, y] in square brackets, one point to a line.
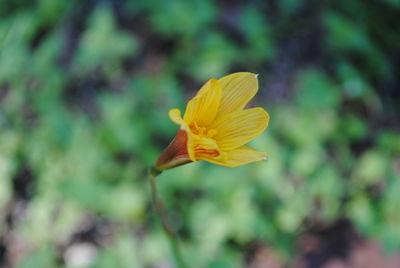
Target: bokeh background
[85, 87]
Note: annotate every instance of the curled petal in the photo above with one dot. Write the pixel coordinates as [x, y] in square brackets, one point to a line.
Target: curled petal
[205, 147]
[176, 117]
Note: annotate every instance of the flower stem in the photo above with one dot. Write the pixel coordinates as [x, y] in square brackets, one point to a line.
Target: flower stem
[162, 213]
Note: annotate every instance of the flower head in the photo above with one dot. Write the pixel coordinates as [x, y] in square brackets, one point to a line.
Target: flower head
[216, 127]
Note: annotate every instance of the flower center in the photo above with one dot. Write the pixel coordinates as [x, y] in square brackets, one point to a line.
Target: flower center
[204, 143]
[202, 131]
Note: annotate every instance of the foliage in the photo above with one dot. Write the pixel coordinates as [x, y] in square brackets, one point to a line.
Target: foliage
[85, 87]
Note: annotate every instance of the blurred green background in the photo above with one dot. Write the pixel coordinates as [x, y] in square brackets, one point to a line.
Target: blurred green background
[85, 87]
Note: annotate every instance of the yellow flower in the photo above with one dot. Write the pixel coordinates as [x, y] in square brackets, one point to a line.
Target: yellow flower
[216, 127]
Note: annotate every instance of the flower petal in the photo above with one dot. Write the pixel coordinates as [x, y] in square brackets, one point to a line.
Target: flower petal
[238, 128]
[175, 154]
[176, 117]
[240, 156]
[237, 90]
[203, 108]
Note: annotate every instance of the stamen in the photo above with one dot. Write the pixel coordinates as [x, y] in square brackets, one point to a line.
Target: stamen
[198, 130]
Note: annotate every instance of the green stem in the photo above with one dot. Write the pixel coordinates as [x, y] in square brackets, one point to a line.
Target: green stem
[162, 213]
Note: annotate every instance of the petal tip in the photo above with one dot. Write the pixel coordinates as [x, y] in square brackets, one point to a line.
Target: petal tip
[175, 116]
